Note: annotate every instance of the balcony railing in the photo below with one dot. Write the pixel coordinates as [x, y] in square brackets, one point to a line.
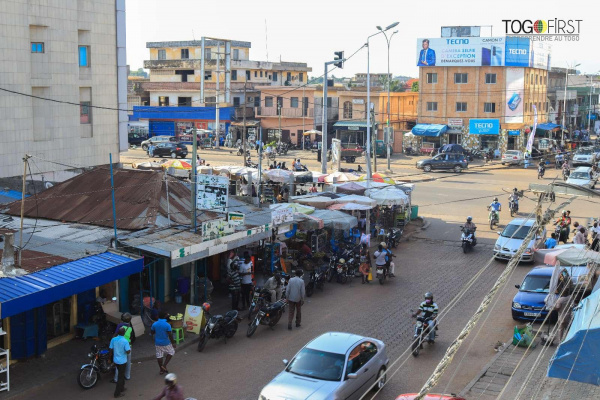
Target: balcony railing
[291, 112]
[240, 111]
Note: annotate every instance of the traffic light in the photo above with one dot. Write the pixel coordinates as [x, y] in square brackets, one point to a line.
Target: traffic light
[339, 57]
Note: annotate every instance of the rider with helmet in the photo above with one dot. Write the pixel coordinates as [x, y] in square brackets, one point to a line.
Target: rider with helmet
[495, 207]
[564, 222]
[430, 310]
[471, 227]
[514, 198]
[171, 391]
[130, 336]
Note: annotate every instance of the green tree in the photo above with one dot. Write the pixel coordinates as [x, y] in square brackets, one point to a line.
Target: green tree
[415, 86]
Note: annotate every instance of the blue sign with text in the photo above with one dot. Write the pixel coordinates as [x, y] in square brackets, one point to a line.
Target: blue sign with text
[484, 126]
[517, 52]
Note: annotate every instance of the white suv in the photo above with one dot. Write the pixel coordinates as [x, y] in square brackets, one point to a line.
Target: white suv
[583, 156]
[513, 157]
[582, 176]
[157, 139]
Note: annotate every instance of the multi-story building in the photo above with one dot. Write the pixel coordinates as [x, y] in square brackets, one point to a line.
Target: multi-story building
[64, 63]
[377, 80]
[481, 91]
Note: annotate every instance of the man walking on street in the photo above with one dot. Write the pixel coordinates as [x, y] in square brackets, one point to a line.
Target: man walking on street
[246, 274]
[119, 349]
[130, 337]
[295, 294]
[163, 341]
[233, 278]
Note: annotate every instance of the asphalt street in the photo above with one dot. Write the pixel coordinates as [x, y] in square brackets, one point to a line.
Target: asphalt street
[431, 261]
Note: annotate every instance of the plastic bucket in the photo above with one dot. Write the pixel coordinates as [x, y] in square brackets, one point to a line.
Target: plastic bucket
[414, 212]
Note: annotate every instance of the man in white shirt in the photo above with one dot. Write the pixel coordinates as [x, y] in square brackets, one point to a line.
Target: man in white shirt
[295, 293]
[246, 275]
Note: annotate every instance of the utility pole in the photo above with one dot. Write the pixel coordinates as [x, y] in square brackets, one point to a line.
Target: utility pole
[338, 62]
[25, 162]
[244, 131]
[303, 115]
[279, 114]
[217, 112]
[260, 148]
[590, 106]
[389, 81]
[194, 176]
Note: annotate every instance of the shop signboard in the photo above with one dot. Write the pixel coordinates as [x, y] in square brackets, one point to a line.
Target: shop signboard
[455, 122]
[514, 133]
[192, 319]
[216, 228]
[282, 216]
[484, 126]
[460, 51]
[515, 90]
[212, 193]
[235, 218]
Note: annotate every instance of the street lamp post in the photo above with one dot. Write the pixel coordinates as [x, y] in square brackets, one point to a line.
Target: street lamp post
[388, 40]
[562, 139]
[368, 107]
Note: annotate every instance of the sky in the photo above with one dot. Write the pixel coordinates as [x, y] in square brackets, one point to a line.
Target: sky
[311, 31]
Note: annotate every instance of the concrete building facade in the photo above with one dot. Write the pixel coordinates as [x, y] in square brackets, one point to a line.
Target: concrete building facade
[61, 60]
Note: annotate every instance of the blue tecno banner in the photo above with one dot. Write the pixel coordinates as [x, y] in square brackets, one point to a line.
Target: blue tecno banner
[484, 126]
[517, 52]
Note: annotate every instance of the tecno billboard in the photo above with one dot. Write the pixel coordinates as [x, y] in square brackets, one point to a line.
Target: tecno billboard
[515, 88]
[483, 51]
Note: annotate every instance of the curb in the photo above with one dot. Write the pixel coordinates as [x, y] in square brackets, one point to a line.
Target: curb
[484, 370]
[426, 224]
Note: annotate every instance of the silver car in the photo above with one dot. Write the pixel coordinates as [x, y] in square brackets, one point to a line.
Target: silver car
[156, 140]
[335, 365]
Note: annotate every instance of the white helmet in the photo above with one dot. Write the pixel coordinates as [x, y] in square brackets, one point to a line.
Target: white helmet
[171, 379]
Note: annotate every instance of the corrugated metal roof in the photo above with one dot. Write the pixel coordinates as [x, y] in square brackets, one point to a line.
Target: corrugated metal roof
[140, 197]
[19, 294]
[33, 261]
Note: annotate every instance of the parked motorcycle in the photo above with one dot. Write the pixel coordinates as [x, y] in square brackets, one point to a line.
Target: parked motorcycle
[420, 336]
[99, 364]
[218, 326]
[393, 237]
[269, 314]
[260, 297]
[316, 280]
[410, 151]
[341, 270]
[332, 269]
[476, 154]
[468, 239]
[494, 217]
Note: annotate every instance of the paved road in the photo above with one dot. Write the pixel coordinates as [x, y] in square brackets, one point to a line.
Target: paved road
[431, 261]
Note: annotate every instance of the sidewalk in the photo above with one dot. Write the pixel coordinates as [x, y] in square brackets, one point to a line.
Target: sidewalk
[67, 359]
[495, 376]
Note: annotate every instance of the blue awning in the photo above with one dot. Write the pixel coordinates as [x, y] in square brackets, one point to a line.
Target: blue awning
[548, 126]
[22, 293]
[429, 130]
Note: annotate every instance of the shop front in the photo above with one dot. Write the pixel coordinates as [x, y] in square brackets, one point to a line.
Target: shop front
[431, 136]
[488, 133]
[455, 131]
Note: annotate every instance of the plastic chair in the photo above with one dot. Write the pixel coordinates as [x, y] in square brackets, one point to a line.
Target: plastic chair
[356, 234]
[178, 335]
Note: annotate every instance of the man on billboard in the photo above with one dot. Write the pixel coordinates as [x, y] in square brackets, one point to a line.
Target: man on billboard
[427, 55]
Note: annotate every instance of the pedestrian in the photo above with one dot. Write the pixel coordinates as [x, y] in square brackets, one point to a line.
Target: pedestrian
[564, 307]
[286, 195]
[295, 294]
[595, 236]
[551, 241]
[313, 189]
[245, 271]
[171, 390]
[364, 238]
[163, 341]
[365, 262]
[580, 236]
[130, 336]
[235, 283]
[119, 349]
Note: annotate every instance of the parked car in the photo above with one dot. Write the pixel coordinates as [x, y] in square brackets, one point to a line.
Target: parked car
[453, 161]
[513, 157]
[157, 139]
[170, 149]
[413, 396]
[135, 139]
[582, 176]
[334, 365]
[583, 156]
[528, 304]
[511, 238]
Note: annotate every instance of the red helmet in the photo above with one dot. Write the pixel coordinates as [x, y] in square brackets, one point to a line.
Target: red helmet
[206, 307]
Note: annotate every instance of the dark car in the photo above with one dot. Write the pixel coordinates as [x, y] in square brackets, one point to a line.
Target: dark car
[529, 302]
[453, 161]
[170, 149]
[136, 139]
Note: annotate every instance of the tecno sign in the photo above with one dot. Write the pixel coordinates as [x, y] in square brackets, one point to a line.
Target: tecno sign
[484, 126]
[481, 125]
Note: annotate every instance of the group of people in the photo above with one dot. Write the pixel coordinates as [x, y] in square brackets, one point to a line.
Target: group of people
[581, 233]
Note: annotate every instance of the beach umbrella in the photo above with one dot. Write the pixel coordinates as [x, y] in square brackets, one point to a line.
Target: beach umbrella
[356, 199]
[315, 201]
[377, 177]
[389, 196]
[177, 164]
[295, 207]
[350, 188]
[279, 175]
[340, 177]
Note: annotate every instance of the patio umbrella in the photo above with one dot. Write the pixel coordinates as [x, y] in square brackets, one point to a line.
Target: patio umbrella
[336, 219]
[312, 131]
[340, 177]
[350, 188]
[389, 196]
[377, 177]
[295, 207]
[356, 199]
[372, 184]
[177, 164]
[349, 207]
[279, 175]
[315, 201]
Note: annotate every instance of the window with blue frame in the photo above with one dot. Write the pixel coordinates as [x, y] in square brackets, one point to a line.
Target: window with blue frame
[84, 60]
[37, 47]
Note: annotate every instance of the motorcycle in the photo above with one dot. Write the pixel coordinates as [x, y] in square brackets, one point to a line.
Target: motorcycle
[476, 154]
[301, 168]
[468, 239]
[99, 364]
[494, 217]
[332, 270]
[218, 326]
[393, 237]
[541, 171]
[513, 207]
[383, 271]
[316, 280]
[260, 298]
[420, 336]
[410, 151]
[240, 150]
[269, 314]
[341, 271]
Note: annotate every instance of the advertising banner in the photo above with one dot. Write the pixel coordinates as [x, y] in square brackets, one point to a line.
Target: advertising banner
[336, 153]
[236, 218]
[515, 89]
[532, 134]
[484, 126]
[463, 51]
[216, 228]
[455, 122]
[192, 319]
[281, 216]
[212, 193]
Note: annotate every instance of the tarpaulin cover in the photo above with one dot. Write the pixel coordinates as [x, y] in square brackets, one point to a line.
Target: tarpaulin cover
[548, 126]
[577, 357]
[429, 130]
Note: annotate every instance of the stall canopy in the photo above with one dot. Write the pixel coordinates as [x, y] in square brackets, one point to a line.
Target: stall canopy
[279, 175]
[349, 188]
[349, 207]
[548, 126]
[429, 130]
[315, 201]
[22, 293]
[577, 357]
[335, 219]
[356, 199]
[389, 196]
[571, 256]
[341, 177]
[303, 177]
[295, 207]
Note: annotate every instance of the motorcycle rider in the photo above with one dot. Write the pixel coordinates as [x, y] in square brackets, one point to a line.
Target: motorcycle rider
[542, 166]
[565, 226]
[470, 225]
[380, 256]
[496, 207]
[273, 285]
[514, 197]
[171, 391]
[430, 310]
[298, 165]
